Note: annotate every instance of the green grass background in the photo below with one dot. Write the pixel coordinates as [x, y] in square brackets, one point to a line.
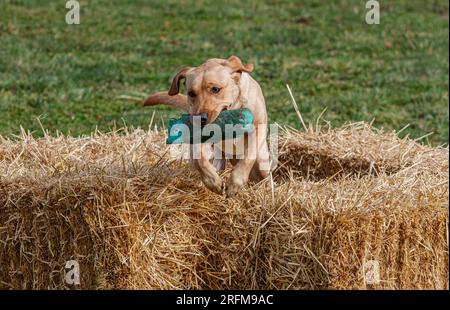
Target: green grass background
[71, 75]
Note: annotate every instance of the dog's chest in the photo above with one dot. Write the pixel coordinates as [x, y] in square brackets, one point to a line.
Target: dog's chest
[231, 147]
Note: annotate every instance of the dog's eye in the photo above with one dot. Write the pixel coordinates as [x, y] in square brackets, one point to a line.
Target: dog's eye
[191, 94]
[215, 89]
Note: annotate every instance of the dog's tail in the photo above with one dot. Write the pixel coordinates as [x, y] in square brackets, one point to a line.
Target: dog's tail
[176, 101]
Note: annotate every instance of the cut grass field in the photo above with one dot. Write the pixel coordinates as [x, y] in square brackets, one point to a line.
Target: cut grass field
[70, 76]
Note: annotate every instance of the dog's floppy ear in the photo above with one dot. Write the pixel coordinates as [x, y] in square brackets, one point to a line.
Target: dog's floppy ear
[175, 87]
[236, 64]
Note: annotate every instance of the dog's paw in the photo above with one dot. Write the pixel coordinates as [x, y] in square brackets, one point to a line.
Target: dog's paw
[233, 187]
[214, 184]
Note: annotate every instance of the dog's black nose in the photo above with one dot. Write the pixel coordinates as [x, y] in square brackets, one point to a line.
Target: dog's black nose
[203, 118]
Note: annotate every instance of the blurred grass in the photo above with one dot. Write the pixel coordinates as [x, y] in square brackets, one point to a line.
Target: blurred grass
[71, 75]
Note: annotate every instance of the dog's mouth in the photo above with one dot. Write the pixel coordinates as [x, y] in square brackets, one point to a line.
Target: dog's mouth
[204, 120]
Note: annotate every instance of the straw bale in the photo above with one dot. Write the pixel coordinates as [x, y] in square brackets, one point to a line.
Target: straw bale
[136, 219]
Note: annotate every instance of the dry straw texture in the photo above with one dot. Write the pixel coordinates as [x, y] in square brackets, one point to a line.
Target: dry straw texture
[135, 219]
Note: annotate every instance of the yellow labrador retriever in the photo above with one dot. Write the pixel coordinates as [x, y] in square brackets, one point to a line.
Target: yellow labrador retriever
[216, 85]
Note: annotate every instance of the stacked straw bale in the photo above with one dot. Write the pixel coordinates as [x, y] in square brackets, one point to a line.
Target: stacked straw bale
[136, 219]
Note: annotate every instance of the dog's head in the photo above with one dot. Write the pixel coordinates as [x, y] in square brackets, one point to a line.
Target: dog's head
[211, 87]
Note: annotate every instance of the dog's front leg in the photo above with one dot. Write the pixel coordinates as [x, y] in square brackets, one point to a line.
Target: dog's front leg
[241, 170]
[239, 176]
[201, 155]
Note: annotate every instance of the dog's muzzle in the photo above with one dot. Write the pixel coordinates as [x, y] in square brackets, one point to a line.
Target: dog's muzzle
[203, 118]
